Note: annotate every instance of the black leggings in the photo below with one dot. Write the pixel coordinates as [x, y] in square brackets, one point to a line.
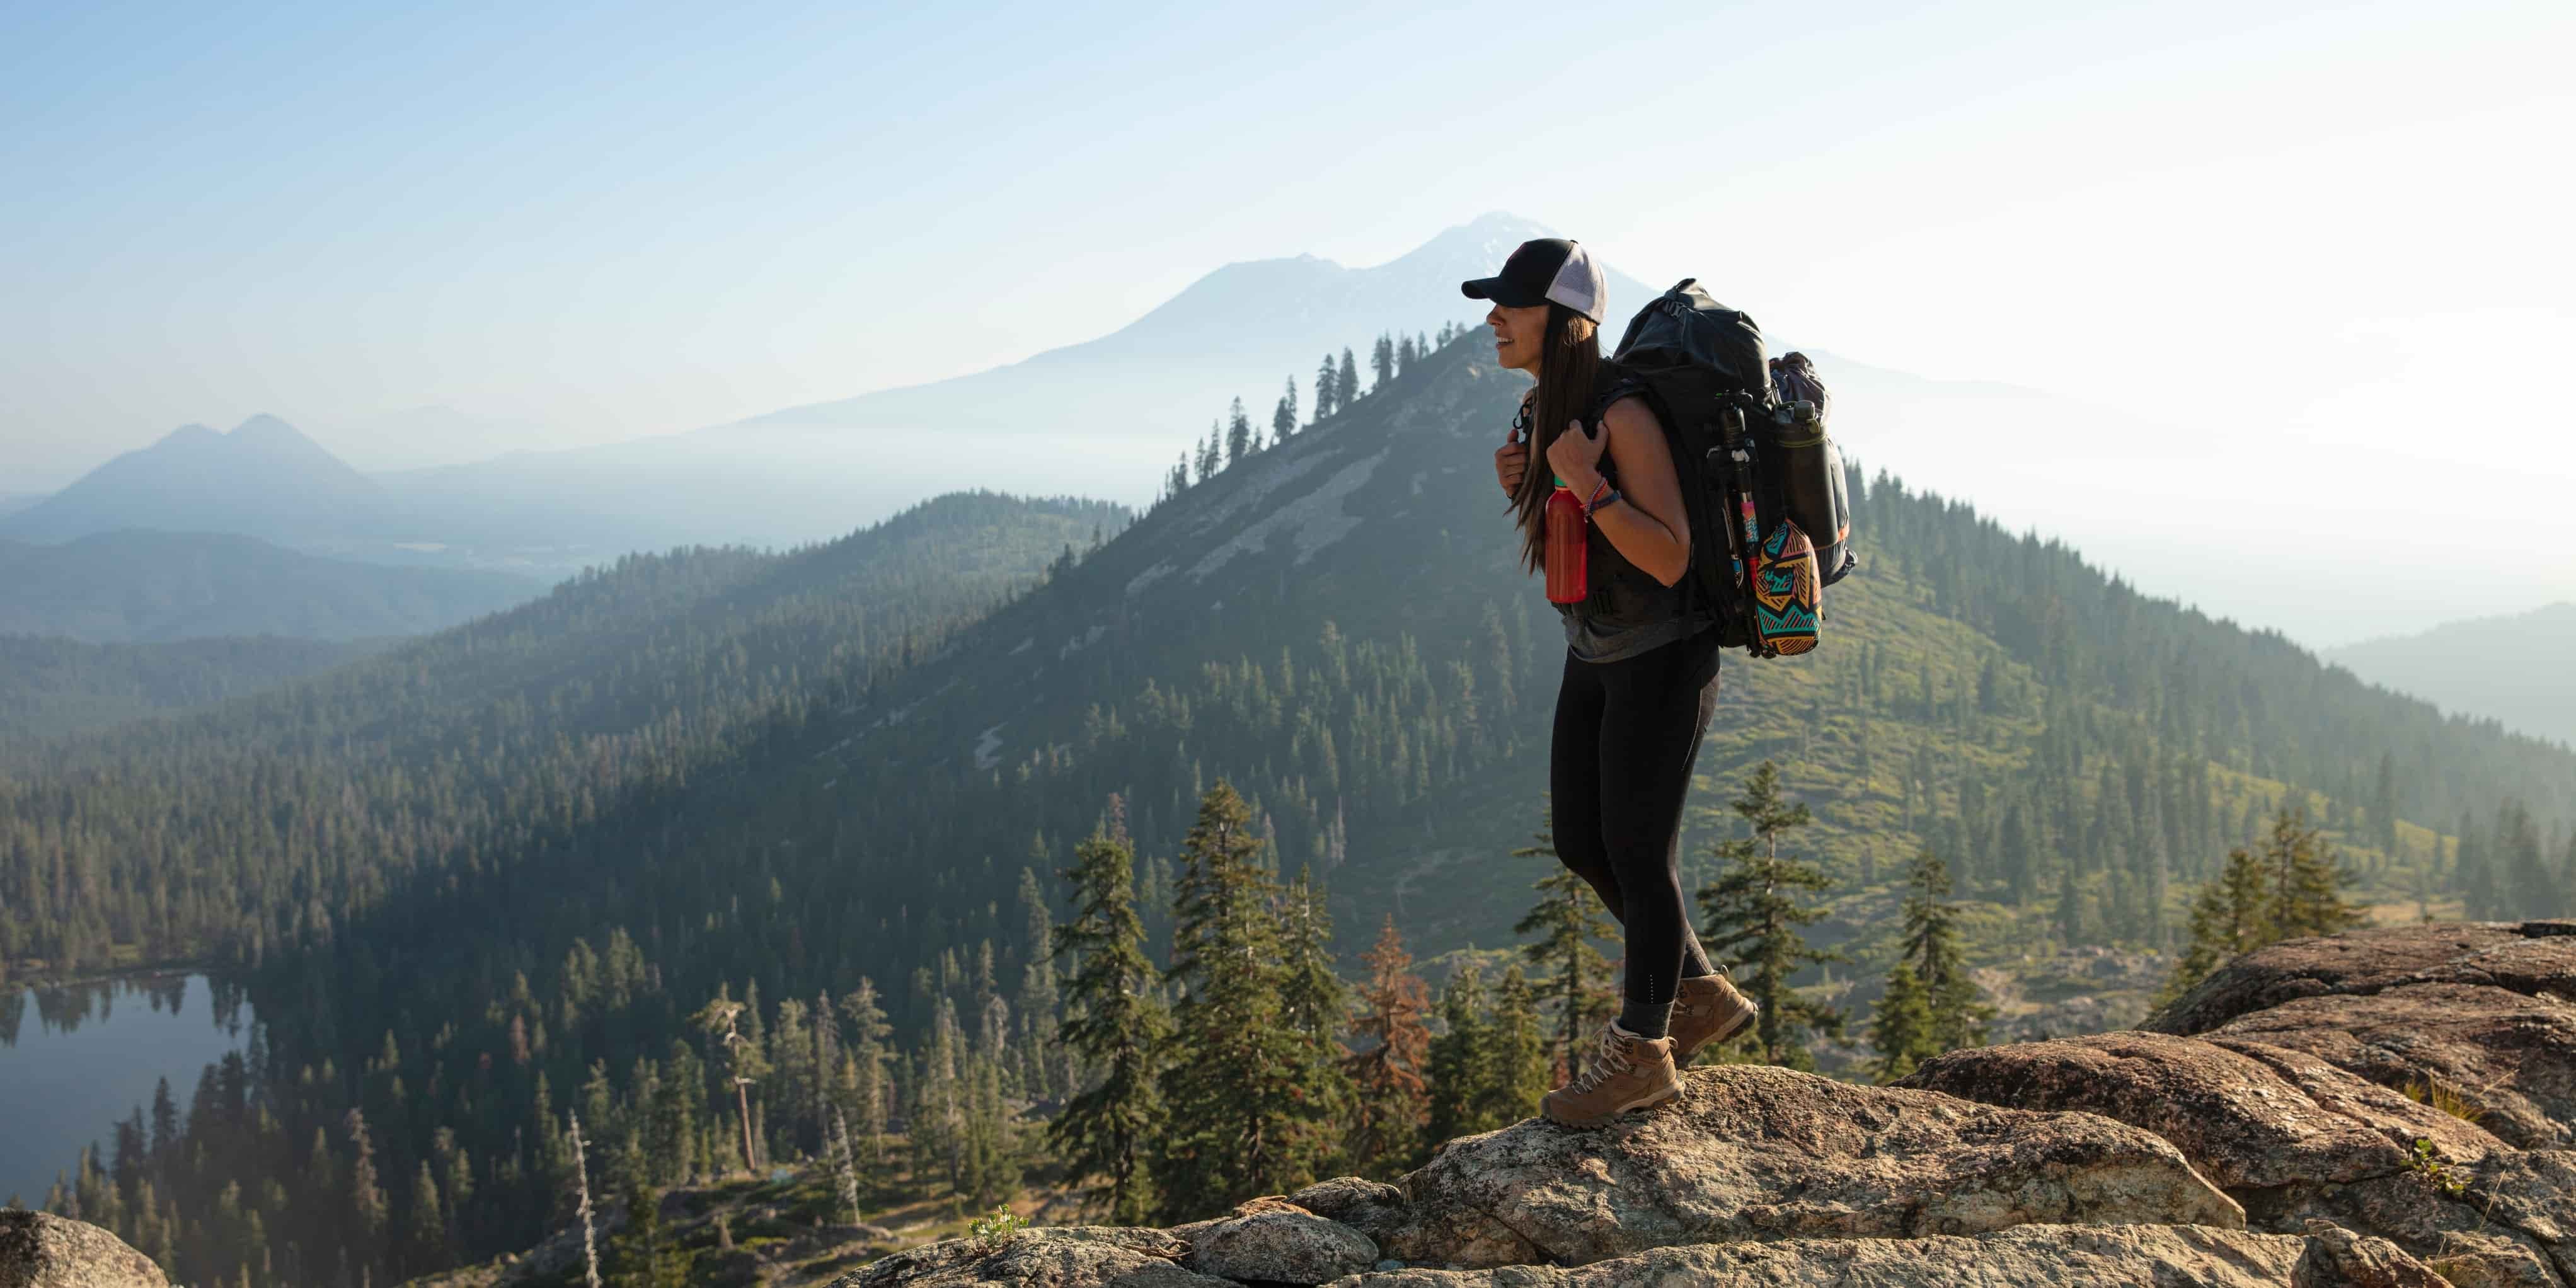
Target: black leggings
[1619, 767]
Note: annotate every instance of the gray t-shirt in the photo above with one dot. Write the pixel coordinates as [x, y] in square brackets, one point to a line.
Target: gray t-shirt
[1591, 643]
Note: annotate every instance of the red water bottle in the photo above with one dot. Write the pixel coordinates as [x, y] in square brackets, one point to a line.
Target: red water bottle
[1566, 546]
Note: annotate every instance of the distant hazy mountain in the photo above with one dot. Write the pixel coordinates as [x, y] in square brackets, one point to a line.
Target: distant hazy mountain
[139, 586]
[1101, 417]
[2519, 668]
[13, 502]
[1237, 331]
[264, 479]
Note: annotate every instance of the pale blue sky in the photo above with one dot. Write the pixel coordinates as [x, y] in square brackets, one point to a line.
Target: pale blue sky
[611, 221]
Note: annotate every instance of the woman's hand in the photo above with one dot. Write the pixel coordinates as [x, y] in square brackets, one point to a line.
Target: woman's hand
[1511, 461]
[1576, 456]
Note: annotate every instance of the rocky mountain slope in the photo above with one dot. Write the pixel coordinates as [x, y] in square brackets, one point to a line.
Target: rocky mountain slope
[2387, 1107]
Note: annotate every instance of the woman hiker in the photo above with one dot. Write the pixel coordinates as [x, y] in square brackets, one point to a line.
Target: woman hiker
[1640, 677]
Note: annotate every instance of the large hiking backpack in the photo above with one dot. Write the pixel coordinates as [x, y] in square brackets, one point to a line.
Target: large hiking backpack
[1761, 479]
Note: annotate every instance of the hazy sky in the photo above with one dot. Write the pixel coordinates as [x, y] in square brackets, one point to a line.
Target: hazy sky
[2344, 224]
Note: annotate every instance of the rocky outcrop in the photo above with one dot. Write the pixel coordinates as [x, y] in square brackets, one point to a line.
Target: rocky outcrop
[2085, 1255]
[2250, 1117]
[1074, 1256]
[2389, 1107]
[41, 1250]
[2408, 1082]
[2507, 1058]
[1765, 1153]
[1279, 1243]
[2528, 957]
[1752, 1155]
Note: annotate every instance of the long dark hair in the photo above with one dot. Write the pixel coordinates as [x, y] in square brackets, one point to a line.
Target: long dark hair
[1569, 364]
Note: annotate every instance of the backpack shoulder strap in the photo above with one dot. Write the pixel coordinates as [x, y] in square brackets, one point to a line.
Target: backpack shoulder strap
[1615, 382]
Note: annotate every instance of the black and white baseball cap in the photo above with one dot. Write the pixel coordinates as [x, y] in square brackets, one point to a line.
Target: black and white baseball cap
[1550, 269]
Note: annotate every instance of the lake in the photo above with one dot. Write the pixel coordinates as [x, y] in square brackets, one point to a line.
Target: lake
[76, 1060]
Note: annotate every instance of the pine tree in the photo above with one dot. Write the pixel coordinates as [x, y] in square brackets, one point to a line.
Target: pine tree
[843, 1172]
[2567, 874]
[1406, 355]
[1520, 1051]
[743, 1065]
[1464, 1072]
[1901, 1026]
[2471, 874]
[581, 1178]
[868, 1053]
[2306, 881]
[1317, 1005]
[1116, 1024]
[2530, 886]
[937, 1125]
[1328, 384]
[1393, 1098]
[366, 1196]
[1567, 919]
[673, 1111]
[2069, 913]
[2293, 887]
[1283, 418]
[794, 1081]
[637, 1257]
[1931, 946]
[1346, 388]
[1754, 917]
[2383, 805]
[1038, 1000]
[1210, 454]
[1238, 434]
[1382, 362]
[2017, 857]
[426, 1231]
[1244, 1119]
[988, 1150]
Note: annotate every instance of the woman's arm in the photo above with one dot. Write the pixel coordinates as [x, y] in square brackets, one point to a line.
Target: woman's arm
[1648, 525]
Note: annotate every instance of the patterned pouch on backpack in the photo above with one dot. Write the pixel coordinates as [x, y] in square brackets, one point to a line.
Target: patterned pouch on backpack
[1785, 592]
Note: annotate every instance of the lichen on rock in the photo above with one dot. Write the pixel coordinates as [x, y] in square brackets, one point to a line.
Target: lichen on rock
[41, 1250]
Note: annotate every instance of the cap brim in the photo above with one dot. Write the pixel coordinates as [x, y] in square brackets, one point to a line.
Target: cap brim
[1500, 292]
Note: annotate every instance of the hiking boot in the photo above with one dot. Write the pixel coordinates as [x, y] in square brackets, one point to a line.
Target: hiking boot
[1625, 1074]
[1708, 1010]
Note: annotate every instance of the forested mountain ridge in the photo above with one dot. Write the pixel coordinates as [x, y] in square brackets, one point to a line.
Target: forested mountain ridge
[143, 585]
[298, 806]
[59, 686]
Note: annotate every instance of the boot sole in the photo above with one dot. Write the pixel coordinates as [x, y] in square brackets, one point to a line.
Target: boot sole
[1682, 1057]
[1638, 1110]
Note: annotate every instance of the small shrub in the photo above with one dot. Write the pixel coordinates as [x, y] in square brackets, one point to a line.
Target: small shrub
[994, 1230]
[2440, 1175]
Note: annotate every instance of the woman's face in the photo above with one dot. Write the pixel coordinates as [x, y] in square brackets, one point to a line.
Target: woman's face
[1520, 335]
